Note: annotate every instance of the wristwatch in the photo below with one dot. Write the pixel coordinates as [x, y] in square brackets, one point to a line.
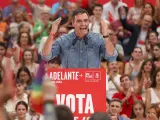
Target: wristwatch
[106, 36]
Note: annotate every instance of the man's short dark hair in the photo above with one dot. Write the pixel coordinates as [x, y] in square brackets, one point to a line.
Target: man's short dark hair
[63, 113]
[79, 11]
[98, 5]
[56, 60]
[99, 116]
[115, 100]
[124, 76]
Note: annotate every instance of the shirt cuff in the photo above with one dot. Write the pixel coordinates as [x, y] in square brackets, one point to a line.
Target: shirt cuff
[48, 57]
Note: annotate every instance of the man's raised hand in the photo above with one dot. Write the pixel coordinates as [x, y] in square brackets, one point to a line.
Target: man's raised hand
[55, 25]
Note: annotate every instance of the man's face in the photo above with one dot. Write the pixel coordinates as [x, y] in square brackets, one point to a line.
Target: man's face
[81, 23]
[97, 11]
[45, 18]
[113, 66]
[115, 108]
[147, 21]
[125, 83]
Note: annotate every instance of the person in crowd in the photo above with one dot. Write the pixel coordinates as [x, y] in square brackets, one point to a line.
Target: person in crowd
[112, 79]
[3, 58]
[138, 111]
[61, 31]
[153, 112]
[153, 94]
[66, 44]
[132, 67]
[148, 9]
[110, 10]
[32, 114]
[156, 54]
[118, 47]
[139, 32]
[26, 27]
[89, 6]
[8, 11]
[25, 75]
[67, 22]
[20, 95]
[41, 27]
[156, 22]
[37, 9]
[122, 34]
[115, 107]
[28, 61]
[63, 113]
[24, 42]
[95, 19]
[3, 25]
[19, 18]
[14, 34]
[21, 110]
[54, 63]
[134, 13]
[144, 79]
[60, 9]
[147, 48]
[99, 116]
[127, 99]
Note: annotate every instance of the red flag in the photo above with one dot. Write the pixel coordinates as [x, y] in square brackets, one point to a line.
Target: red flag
[110, 17]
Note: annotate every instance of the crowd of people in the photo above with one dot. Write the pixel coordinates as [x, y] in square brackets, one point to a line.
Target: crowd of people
[125, 41]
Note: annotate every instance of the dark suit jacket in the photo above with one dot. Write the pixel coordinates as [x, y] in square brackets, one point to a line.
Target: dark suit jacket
[135, 30]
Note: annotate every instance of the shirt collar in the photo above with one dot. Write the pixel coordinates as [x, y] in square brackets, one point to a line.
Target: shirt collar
[75, 38]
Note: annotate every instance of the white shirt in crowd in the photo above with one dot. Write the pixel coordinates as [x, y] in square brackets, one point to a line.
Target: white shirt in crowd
[11, 103]
[108, 8]
[110, 87]
[95, 27]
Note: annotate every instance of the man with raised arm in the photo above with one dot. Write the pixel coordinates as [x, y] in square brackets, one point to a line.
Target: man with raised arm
[79, 49]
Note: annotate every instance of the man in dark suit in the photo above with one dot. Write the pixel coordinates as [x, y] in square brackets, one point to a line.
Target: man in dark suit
[139, 32]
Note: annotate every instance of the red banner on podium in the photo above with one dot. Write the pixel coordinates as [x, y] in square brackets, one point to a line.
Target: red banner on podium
[82, 90]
